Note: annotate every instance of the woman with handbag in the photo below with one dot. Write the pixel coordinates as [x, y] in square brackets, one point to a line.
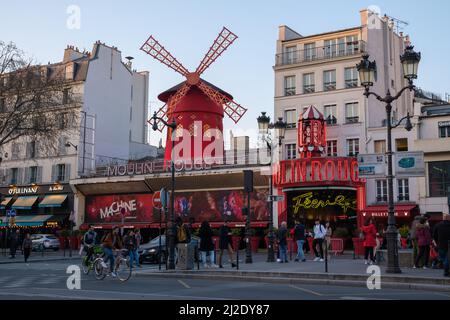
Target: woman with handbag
[369, 233]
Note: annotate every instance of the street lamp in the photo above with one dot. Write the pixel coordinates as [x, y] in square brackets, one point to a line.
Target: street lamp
[170, 231]
[367, 73]
[280, 128]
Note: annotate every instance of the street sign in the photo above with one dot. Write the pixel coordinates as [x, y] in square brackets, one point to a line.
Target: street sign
[164, 198]
[409, 164]
[275, 198]
[156, 200]
[11, 213]
[371, 165]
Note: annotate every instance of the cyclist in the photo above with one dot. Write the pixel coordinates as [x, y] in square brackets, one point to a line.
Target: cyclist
[89, 241]
[112, 241]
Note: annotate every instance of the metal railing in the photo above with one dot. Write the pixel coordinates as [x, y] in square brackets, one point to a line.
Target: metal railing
[320, 53]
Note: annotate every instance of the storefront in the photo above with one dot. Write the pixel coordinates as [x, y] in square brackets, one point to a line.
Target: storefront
[40, 208]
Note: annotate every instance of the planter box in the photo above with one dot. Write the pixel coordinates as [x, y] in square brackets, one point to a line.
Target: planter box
[358, 246]
[405, 258]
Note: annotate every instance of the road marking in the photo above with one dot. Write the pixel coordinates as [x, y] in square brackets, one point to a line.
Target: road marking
[184, 284]
[441, 294]
[355, 298]
[20, 283]
[306, 290]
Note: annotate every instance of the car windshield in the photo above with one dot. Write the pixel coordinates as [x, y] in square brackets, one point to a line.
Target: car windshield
[156, 240]
[51, 237]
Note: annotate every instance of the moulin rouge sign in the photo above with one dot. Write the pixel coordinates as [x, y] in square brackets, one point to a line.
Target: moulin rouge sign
[316, 170]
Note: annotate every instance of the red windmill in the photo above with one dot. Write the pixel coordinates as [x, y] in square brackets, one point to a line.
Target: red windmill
[311, 133]
[197, 106]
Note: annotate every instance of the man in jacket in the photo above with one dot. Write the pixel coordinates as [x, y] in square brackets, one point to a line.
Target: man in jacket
[441, 236]
[282, 242]
[299, 237]
[89, 241]
[319, 234]
[13, 243]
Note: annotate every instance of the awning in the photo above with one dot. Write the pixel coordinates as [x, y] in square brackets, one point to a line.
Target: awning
[55, 200]
[400, 211]
[24, 202]
[5, 202]
[28, 221]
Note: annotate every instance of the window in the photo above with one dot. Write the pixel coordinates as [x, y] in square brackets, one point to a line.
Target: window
[444, 130]
[15, 151]
[332, 148]
[439, 177]
[329, 80]
[403, 189]
[14, 176]
[31, 150]
[341, 46]
[310, 51]
[351, 77]
[329, 112]
[62, 121]
[291, 151]
[380, 146]
[289, 55]
[32, 175]
[289, 86]
[291, 118]
[65, 96]
[59, 173]
[2, 105]
[401, 144]
[308, 83]
[352, 44]
[330, 48]
[62, 148]
[381, 190]
[351, 112]
[353, 147]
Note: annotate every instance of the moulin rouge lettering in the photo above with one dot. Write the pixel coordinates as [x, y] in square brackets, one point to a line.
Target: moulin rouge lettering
[307, 201]
[114, 208]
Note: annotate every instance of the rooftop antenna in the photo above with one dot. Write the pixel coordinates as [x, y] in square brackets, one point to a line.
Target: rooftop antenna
[399, 25]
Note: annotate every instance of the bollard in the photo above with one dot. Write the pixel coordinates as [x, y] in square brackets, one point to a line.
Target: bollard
[198, 257]
[237, 258]
[326, 256]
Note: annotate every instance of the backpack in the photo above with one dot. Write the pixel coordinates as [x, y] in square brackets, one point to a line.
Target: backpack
[182, 234]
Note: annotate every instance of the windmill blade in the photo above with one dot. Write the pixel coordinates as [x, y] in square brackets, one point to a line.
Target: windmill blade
[161, 113]
[222, 42]
[234, 110]
[153, 48]
[174, 99]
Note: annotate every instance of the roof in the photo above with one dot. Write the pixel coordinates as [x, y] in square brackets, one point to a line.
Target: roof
[164, 96]
[312, 113]
[323, 34]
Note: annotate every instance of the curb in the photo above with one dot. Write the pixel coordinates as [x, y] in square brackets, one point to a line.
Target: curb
[37, 260]
[321, 279]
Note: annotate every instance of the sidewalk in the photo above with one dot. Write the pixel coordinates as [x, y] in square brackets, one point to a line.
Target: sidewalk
[36, 256]
[342, 270]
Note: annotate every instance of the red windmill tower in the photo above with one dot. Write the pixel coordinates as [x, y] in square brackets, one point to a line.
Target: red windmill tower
[311, 133]
[196, 105]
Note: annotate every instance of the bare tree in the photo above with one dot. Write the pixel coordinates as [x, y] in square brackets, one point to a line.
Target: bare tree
[36, 101]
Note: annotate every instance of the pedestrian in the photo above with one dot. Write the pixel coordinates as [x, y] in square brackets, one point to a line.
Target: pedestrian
[423, 236]
[328, 235]
[299, 238]
[130, 244]
[27, 246]
[412, 236]
[282, 242]
[206, 245]
[13, 240]
[137, 234]
[183, 231]
[369, 233]
[225, 244]
[319, 235]
[441, 236]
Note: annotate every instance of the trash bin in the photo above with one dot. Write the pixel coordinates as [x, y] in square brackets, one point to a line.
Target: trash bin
[186, 252]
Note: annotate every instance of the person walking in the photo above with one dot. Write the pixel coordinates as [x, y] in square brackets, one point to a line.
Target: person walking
[299, 238]
[26, 247]
[441, 236]
[130, 244]
[206, 245]
[319, 235]
[138, 236]
[13, 243]
[225, 244]
[282, 242]
[369, 233]
[423, 236]
[412, 236]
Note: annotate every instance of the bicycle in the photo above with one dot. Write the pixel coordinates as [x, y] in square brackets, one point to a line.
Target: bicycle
[122, 266]
[86, 265]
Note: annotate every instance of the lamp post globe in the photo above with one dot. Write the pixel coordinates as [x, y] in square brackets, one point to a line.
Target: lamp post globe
[410, 62]
[280, 128]
[367, 71]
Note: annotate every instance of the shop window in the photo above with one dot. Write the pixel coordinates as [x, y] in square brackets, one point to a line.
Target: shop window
[403, 189]
[401, 144]
[380, 146]
[381, 190]
[439, 178]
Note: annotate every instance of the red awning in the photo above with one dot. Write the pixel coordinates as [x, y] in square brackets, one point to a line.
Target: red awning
[85, 226]
[401, 211]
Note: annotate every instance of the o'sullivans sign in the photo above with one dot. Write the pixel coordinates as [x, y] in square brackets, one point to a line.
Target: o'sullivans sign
[312, 170]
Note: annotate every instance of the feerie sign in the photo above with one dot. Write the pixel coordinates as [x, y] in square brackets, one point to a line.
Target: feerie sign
[316, 170]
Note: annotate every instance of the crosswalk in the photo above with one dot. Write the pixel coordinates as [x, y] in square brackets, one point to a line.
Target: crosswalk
[26, 281]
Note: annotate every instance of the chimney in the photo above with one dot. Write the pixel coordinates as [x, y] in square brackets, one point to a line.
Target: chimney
[364, 14]
[71, 53]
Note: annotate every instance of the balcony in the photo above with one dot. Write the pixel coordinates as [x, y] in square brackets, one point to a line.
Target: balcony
[320, 53]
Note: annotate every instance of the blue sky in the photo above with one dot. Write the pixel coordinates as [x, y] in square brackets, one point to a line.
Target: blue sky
[187, 28]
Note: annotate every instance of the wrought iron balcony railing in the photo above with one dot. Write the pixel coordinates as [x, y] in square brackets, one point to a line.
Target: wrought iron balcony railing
[320, 53]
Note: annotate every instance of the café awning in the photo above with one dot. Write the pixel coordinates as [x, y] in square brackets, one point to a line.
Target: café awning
[5, 202]
[24, 202]
[28, 221]
[400, 211]
[54, 200]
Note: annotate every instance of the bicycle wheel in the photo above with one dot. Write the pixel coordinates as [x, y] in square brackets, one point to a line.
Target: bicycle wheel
[123, 269]
[99, 270]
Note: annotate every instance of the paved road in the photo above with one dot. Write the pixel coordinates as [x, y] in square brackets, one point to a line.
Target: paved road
[47, 280]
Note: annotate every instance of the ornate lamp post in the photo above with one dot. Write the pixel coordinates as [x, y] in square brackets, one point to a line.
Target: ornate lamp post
[170, 230]
[280, 128]
[367, 73]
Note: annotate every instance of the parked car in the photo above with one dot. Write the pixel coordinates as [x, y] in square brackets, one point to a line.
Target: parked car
[149, 252]
[44, 241]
